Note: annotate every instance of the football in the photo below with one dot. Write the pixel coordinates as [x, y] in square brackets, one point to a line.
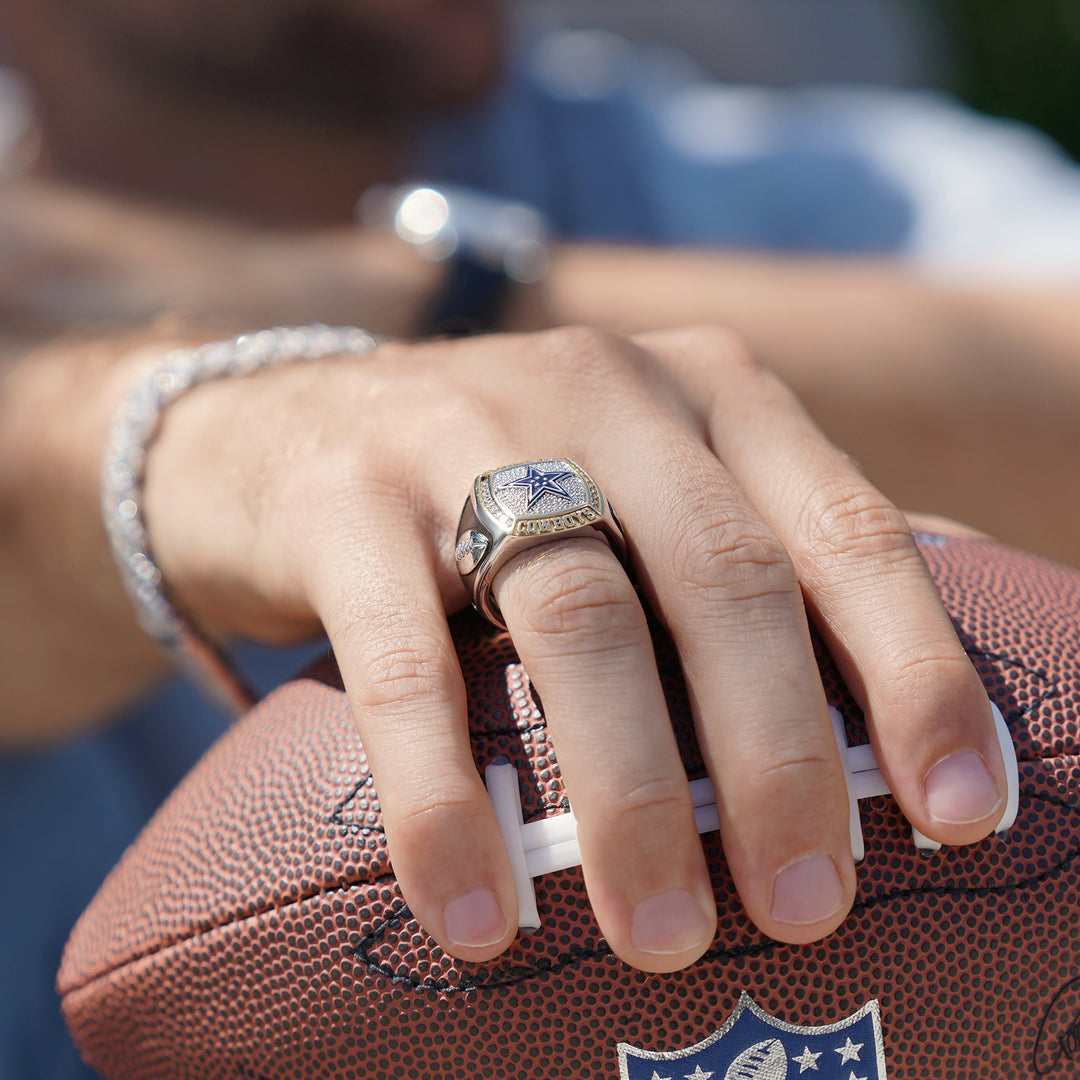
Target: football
[255, 929]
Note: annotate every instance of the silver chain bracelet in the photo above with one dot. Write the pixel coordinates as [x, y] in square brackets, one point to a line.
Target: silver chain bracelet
[133, 431]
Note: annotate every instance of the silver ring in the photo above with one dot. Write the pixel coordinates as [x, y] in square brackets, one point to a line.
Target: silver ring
[521, 506]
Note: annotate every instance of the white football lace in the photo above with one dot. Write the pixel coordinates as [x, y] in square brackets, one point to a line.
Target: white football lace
[550, 844]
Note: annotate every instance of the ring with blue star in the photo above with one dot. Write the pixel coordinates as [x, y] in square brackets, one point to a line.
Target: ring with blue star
[522, 505]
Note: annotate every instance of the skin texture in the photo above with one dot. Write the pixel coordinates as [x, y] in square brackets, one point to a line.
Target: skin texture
[270, 504]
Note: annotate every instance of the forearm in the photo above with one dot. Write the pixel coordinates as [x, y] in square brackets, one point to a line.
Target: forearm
[225, 276]
[963, 402]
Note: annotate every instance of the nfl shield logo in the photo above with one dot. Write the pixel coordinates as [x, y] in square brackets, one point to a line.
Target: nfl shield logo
[755, 1046]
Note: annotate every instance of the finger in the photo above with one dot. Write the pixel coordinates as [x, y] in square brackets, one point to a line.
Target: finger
[582, 636]
[385, 619]
[871, 594]
[731, 601]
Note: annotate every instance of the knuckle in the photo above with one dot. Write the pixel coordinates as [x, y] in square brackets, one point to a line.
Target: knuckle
[928, 674]
[723, 344]
[731, 560]
[652, 798]
[716, 363]
[852, 519]
[586, 607]
[412, 678]
[599, 360]
[578, 343]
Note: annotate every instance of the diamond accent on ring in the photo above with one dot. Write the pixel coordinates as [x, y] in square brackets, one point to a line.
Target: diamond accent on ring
[470, 550]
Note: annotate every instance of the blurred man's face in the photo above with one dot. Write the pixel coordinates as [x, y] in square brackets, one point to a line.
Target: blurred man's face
[333, 62]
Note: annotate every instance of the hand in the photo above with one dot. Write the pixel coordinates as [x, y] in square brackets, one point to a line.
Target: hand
[331, 492]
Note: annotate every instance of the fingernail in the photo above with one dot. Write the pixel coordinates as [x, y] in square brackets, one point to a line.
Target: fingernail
[807, 891]
[474, 919]
[959, 789]
[669, 923]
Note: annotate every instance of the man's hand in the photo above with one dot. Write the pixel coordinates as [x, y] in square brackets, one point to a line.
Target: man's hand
[330, 493]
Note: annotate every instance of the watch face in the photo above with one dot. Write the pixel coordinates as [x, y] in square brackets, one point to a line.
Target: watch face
[542, 496]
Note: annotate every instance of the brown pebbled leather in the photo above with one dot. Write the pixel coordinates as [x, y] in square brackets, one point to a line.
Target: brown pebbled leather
[255, 928]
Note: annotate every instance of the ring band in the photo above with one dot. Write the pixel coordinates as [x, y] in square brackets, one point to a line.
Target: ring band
[520, 506]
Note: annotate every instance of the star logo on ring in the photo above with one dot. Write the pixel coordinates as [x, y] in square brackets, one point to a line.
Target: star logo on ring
[536, 483]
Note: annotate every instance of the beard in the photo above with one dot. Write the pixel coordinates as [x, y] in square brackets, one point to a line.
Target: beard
[325, 64]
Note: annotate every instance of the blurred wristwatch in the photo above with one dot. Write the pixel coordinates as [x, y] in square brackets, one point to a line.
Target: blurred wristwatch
[491, 246]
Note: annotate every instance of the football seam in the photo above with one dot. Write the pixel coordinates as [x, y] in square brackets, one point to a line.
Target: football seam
[522, 972]
[1052, 686]
[508, 976]
[200, 931]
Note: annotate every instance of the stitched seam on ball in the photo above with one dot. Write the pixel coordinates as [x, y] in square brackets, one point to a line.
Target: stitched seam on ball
[1053, 686]
[1051, 693]
[505, 976]
[201, 931]
[522, 972]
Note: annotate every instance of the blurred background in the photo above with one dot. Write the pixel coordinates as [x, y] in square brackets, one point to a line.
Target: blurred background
[1018, 58]
[1015, 58]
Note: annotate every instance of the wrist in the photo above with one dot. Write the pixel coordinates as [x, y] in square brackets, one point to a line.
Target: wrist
[205, 516]
[209, 502]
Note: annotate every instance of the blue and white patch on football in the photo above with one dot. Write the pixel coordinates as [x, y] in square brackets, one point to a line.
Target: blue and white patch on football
[753, 1045]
